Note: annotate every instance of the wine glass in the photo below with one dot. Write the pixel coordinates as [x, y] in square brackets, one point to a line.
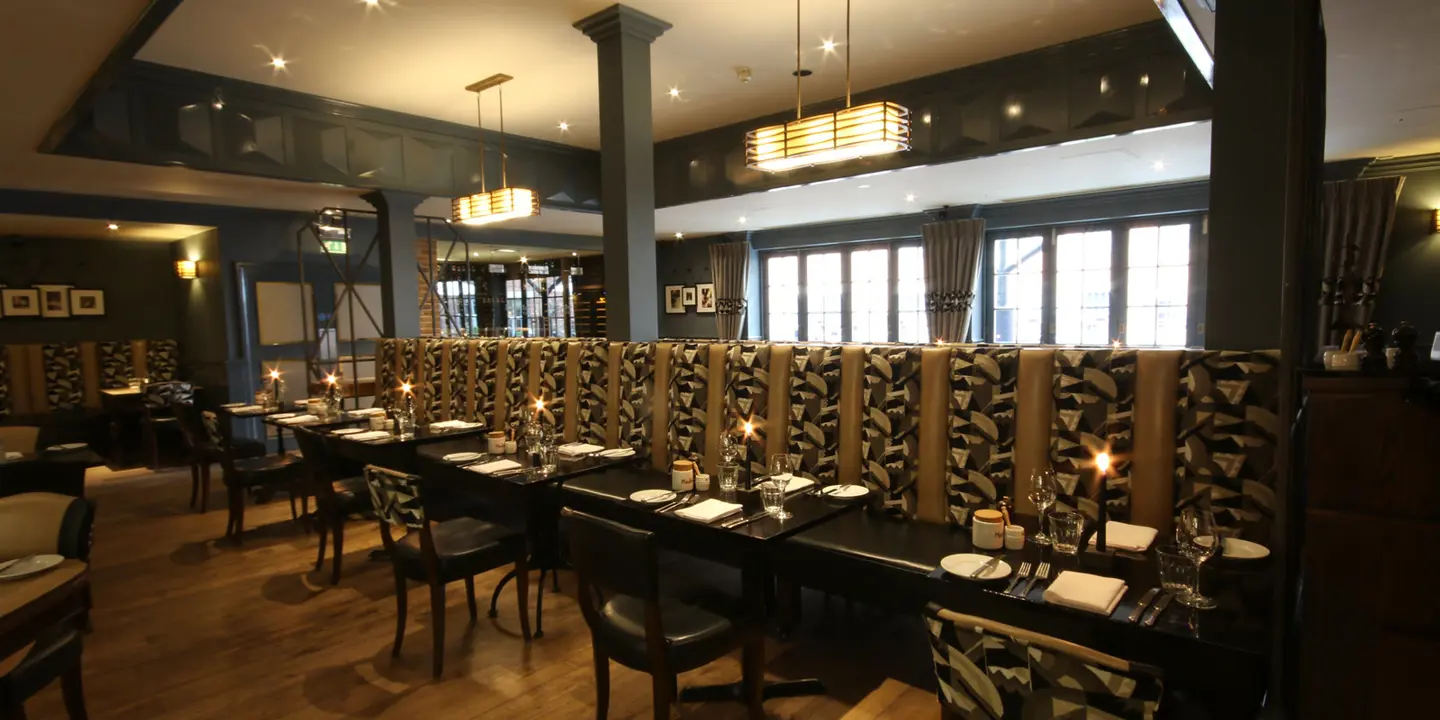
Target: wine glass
[1042, 493]
[776, 484]
[1199, 540]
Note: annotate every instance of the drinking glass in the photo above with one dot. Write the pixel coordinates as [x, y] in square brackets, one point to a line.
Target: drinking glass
[1042, 493]
[772, 496]
[729, 477]
[1199, 540]
[729, 450]
[779, 479]
[1177, 573]
[549, 456]
[1065, 530]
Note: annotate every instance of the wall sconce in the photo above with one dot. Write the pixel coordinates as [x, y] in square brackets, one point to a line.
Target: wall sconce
[185, 269]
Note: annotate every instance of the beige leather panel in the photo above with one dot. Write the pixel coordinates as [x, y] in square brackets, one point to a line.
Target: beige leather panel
[30, 523]
[29, 381]
[1034, 408]
[532, 383]
[572, 391]
[931, 503]
[1152, 469]
[777, 424]
[502, 377]
[140, 358]
[660, 407]
[90, 374]
[852, 382]
[716, 415]
[19, 438]
[612, 396]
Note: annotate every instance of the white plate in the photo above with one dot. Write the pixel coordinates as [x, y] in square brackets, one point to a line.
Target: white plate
[845, 491]
[30, 566]
[462, 457]
[966, 563]
[227, 406]
[653, 496]
[66, 447]
[348, 431]
[614, 453]
[1237, 549]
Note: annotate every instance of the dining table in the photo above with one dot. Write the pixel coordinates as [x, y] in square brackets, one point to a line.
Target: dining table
[398, 452]
[57, 469]
[231, 412]
[748, 547]
[31, 606]
[527, 498]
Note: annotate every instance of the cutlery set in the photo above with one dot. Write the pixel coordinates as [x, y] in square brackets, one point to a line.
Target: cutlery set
[1148, 601]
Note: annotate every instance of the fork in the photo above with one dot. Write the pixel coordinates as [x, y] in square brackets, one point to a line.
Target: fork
[1042, 573]
[1019, 577]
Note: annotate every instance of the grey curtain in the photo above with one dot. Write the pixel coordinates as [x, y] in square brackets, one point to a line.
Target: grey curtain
[952, 257]
[1356, 217]
[730, 266]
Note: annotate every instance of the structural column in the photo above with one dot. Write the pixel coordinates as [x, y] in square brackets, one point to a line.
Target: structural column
[399, 278]
[627, 168]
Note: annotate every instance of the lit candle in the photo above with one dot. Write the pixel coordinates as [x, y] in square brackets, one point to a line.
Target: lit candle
[330, 379]
[405, 388]
[1102, 463]
[539, 410]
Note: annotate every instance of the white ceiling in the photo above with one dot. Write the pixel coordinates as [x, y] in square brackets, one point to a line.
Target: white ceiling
[417, 56]
[1383, 96]
[87, 229]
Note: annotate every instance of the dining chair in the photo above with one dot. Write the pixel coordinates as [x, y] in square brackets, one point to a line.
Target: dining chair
[992, 671]
[203, 444]
[19, 438]
[618, 569]
[339, 489]
[265, 472]
[158, 416]
[437, 553]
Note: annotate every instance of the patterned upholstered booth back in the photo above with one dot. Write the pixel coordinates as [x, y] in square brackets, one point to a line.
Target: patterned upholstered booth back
[396, 497]
[937, 431]
[164, 394]
[64, 377]
[988, 671]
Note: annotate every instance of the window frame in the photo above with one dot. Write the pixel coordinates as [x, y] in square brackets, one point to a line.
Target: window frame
[891, 246]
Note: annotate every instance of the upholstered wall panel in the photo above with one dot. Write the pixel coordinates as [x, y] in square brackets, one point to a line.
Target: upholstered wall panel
[516, 380]
[637, 391]
[853, 361]
[458, 391]
[689, 396]
[140, 358]
[90, 374]
[115, 364]
[1227, 429]
[1152, 491]
[552, 386]
[747, 398]
[593, 396]
[979, 466]
[715, 413]
[815, 411]
[63, 387]
[430, 388]
[1094, 413]
[931, 503]
[779, 413]
[890, 448]
[4, 382]
[1034, 408]
[386, 356]
[162, 360]
[485, 378]
[571, 370]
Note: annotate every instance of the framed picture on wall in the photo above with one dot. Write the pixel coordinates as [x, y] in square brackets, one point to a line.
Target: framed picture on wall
[705, 298]
[689, 296]
[54, 301]
[20, 302]
[87, 303]
[674, 300]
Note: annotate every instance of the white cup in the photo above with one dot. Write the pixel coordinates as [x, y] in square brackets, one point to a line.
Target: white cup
[702, 481]
[986, 533]
[1014, 537]
[379, 422]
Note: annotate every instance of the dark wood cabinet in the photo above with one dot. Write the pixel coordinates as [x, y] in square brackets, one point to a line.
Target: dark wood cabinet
[1370, 601]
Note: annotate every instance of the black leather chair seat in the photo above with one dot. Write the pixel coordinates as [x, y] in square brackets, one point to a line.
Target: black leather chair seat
[268, 464]
[247, 449]
[352, 494]
[693, 636]
[465, 546]
[870, 558]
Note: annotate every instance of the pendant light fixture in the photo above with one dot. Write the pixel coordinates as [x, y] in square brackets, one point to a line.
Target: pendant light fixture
[877, 128]
[504, 202]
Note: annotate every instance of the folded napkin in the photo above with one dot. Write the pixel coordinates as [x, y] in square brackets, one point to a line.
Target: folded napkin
[12, 455]
[453, 425]
[227, 406]
[795, 485]
[297, 419]
[307, 401]
[368, 436]
[1083, 591]
[246, 409]
[368, 411]
[622, 452]
[282, 416]
[1124, 536]
[709, 511]
[578, 448]
[493, 467]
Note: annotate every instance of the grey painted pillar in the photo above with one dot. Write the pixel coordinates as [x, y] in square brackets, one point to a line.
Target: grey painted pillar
[622, 38]
[399, 280]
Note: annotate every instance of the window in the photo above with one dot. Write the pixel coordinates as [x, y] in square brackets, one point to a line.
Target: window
[1158, 285]
[910, 322]
[823, 317]
[782, 298]
[1019, 279]
[541, 305]
[870, 293]
[1082, 288]
[514, 308]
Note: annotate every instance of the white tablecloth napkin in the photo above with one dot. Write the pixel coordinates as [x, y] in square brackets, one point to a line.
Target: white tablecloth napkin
[621, 452]
[297, 419]
[246, 409]
[1083, 591]
[452, 425]
[795, 485]
[12, 455]
[493, 467]
[709, 511]
[1124, 536]
[368, 411]
[578, 448]
[368, 436]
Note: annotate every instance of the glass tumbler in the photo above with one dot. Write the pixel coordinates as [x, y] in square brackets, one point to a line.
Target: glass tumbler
[1065, 530]
[549, 456]
[729, 477]
[772, 496]
[1177, 574]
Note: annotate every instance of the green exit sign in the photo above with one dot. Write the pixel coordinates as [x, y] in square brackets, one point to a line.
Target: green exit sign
[336, 247]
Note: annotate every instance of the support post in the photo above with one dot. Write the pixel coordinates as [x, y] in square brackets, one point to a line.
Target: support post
[399, 281]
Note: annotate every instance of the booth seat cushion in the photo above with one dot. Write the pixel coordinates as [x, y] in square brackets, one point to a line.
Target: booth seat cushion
[870, 558]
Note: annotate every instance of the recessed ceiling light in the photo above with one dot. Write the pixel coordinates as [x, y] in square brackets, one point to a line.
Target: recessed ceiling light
[372, 3]
[278, 63]
[1144, 80]
[862, 187]
[828, 46]
[910, 197]
[564, 126]
[1014, 110]
[474, 254]
[574, 254]
[112, 226]
[674, 92]
[505, 250]
[681, 235]
[742, 219]
[1159, 165]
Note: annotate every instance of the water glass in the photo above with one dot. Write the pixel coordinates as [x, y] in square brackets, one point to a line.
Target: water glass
[549, 456]
[1177, 573]
[1042, 493]
[729, 477]
[1199, 540]
[772, 496]
[1065, 530]
[780, 474]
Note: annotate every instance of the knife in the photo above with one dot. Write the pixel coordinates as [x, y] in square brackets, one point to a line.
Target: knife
[745, 521]
[992, 562]
[1145, 600]
[1160, 606]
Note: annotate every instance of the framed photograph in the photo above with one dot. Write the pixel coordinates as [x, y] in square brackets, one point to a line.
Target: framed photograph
[689, 296]
[674, 300]
[86, 303]
[705, 300]
[54, 301]
[21, 302]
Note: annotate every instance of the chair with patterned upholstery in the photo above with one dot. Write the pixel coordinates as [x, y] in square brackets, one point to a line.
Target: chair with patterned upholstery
[339, 490]
[158, 401]
[991, 671]
[441, 552]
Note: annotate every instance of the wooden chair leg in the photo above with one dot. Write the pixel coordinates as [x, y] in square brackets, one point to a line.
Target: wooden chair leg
[752, 673]
[401, 593]
[239, 513]
[660, 686]
[437, 622]
[522, 595]
[602, 683]
[291, 493]
[204, 485]
[470, 598]
[194, 482]
[320, 556]
[74, 692]
[339, 533]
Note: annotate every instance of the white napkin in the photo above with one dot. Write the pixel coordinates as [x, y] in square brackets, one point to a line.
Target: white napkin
[368, 436]
[246, 409]
[453, 425]
[612, 453]
[1083, 591]
[297, 419]
[709, 511]
[368, 411]
[12, 455]
[228, 406]
[578, 448]
[493, 467]
[1124, 536]
[795, 485]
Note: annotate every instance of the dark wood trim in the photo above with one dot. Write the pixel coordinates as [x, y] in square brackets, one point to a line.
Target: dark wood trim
[151, 18]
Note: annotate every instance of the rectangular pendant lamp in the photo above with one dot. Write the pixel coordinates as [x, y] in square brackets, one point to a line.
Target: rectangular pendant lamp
[877, 128]
[496, 205]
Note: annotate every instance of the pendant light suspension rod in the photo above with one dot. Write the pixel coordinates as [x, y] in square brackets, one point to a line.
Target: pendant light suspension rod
[847, 53]
[504, 177]
[798, 105]
[480, 123]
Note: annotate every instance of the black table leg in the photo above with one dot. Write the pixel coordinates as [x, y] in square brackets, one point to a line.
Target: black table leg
[495, 596]
[279, 440]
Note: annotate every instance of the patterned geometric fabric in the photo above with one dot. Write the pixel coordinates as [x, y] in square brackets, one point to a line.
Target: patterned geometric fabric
[982, 429]
[552, 381]
[116, 365]
[1228, 425]
[430, 391]
[396, 497]
[162, 360]
[409, 350]
[517, 381]
[164, 394]
[593, 381]
[689, 395]
[891, 419]
[747, 397]
[458, 403]
[4, 382]
[485, 383]
[385, 380]
[815, 412]
[637, 390]
[1094, 413]
[988, 675]
[211, 421]
[64, 387]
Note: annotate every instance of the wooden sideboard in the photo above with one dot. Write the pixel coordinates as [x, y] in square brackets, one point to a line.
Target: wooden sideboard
[1370, 615]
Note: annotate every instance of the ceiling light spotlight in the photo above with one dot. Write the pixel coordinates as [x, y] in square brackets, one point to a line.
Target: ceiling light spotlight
[1159, 165]
[564, 126]
[574, 254]
[474, 254]
[742, 219]
[828, 46]
[862, 187]
[506, 250]
[112, 227]
[278, 63]
[372, 3]
[675, 92]
[1014, 110]
[1145, 80]
[925, 118]
[524, 260]
[681, 235]
[910, 197]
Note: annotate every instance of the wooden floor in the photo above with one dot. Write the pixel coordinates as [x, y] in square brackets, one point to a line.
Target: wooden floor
[188, 628]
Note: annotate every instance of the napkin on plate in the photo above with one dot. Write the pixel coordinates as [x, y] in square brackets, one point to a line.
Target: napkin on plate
[246, 409]
[368, 436]
[578, 448]
[12, 455]
[496, 466]
[1124, 536]
[709, 511]
[282, 416]
[622, 452]
[796, 484]
[227, 406]
[1083, 591]
[297, 419]
[368, 411]
[453, 425]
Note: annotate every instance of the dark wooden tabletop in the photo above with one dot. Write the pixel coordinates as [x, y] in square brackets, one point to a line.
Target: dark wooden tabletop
[319, 423]
[433, 465]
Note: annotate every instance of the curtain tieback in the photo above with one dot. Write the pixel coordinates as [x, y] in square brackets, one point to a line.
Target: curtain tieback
[730, 306]
[949, 300]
